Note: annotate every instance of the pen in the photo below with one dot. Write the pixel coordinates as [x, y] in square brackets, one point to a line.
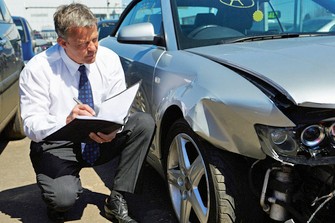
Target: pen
[77, 100]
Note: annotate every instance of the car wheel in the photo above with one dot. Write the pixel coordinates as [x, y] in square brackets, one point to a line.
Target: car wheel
[14, 130]
[206, 184]
[191, 184]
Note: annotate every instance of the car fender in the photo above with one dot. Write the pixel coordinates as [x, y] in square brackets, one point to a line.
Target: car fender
[203, 109]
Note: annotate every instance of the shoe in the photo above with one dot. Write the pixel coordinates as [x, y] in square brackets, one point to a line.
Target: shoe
[55, 216]
[116, 209]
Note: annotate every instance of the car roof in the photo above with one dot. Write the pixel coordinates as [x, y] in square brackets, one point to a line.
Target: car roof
[18, 17]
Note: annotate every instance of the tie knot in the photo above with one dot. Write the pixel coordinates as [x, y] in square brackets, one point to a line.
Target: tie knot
[82, 69]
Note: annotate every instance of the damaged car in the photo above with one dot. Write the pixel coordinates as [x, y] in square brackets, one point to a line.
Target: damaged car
[244, 103]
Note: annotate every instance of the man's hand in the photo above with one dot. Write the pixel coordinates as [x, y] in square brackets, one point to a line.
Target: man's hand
[82, 109]
[101, 137]
[86, 110]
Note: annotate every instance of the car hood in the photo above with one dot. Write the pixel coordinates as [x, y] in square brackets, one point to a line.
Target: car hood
[301, 68]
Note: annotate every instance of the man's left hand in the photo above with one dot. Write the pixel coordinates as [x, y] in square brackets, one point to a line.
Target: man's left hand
[100, 137]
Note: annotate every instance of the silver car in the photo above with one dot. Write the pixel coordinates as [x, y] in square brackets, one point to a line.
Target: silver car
[244, 104]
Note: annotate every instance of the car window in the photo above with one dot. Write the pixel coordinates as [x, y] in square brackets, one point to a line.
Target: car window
[20, 28]
[211, 22]
[4, 13]
[1, 14]
[192, 16]
[146, 11]
[105, 28]
[285, 18]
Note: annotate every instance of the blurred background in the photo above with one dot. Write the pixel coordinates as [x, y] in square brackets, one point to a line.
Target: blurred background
[39, 13]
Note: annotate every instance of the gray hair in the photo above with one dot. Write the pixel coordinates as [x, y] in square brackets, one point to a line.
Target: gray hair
[72, 15]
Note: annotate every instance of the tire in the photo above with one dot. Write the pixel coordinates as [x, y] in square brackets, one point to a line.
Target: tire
[206, 184]
[14, 129]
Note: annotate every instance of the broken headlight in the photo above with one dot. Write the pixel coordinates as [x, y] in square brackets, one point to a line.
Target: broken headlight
[304, 141]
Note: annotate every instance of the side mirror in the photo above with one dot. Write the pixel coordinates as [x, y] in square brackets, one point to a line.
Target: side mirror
[140, 33]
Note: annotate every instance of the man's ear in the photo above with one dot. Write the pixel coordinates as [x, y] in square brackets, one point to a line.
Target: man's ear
[61, 42]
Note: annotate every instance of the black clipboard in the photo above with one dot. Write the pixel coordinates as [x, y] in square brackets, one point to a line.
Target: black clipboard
[112, 116]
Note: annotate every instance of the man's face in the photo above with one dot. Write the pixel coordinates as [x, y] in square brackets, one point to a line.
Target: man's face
[81, 44]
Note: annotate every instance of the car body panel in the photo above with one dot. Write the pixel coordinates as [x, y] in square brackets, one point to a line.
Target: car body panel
[184, 82]
[11, 64]
[196, 101]
[277, 67]
[196, 97]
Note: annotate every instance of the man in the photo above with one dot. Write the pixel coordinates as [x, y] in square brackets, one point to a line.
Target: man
[48, 84]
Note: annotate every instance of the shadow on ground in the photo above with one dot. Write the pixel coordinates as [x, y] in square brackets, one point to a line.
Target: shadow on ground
[25, 204]
[151, 205]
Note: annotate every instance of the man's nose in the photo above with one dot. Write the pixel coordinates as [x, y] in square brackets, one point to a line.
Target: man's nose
[92, 46]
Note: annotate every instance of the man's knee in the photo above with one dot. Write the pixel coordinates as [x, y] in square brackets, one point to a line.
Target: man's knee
[60, 193]
[144, 121]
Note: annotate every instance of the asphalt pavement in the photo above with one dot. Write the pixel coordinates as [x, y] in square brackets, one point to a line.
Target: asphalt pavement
[20, 199]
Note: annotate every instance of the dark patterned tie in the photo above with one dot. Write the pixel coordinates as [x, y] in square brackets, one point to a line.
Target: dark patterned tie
[91, 151]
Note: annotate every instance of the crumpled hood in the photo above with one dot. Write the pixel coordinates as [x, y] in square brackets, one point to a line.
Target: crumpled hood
[301, 68]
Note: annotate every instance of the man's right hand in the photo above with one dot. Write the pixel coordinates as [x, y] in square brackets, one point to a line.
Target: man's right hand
[80, 109]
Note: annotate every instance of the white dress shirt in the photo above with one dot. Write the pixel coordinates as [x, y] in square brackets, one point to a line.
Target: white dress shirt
[50, 80]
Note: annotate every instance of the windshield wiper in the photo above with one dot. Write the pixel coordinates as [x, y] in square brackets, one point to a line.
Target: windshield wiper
[263, 37]
[269, 37]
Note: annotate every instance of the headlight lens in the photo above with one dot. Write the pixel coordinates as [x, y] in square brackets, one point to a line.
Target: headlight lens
[279, 136]
[282, 140]
[314, 140]
[331, 132]
[312, 135]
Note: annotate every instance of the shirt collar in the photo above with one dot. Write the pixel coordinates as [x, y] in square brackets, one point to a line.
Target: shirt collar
[70, 64]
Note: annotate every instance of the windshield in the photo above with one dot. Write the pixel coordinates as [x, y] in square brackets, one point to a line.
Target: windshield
[210, 22]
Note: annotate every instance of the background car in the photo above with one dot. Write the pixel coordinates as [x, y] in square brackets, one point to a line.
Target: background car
[39, 42]
[244, 108]
[50, 35]
[30, 44]
[105, 27]
[11, 64]
[26, 37]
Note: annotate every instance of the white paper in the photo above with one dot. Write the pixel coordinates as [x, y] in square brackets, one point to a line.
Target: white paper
[116, 108]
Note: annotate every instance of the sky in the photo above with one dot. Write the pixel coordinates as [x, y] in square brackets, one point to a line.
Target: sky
[39, 13]
[18, 7]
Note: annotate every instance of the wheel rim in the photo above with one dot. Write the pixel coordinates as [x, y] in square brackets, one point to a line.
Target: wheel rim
[188, 180]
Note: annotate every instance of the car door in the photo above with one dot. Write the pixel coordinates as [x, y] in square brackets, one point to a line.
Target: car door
[139, 60]
[11, 65]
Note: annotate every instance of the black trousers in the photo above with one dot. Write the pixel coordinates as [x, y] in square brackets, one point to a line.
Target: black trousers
[57, 165]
